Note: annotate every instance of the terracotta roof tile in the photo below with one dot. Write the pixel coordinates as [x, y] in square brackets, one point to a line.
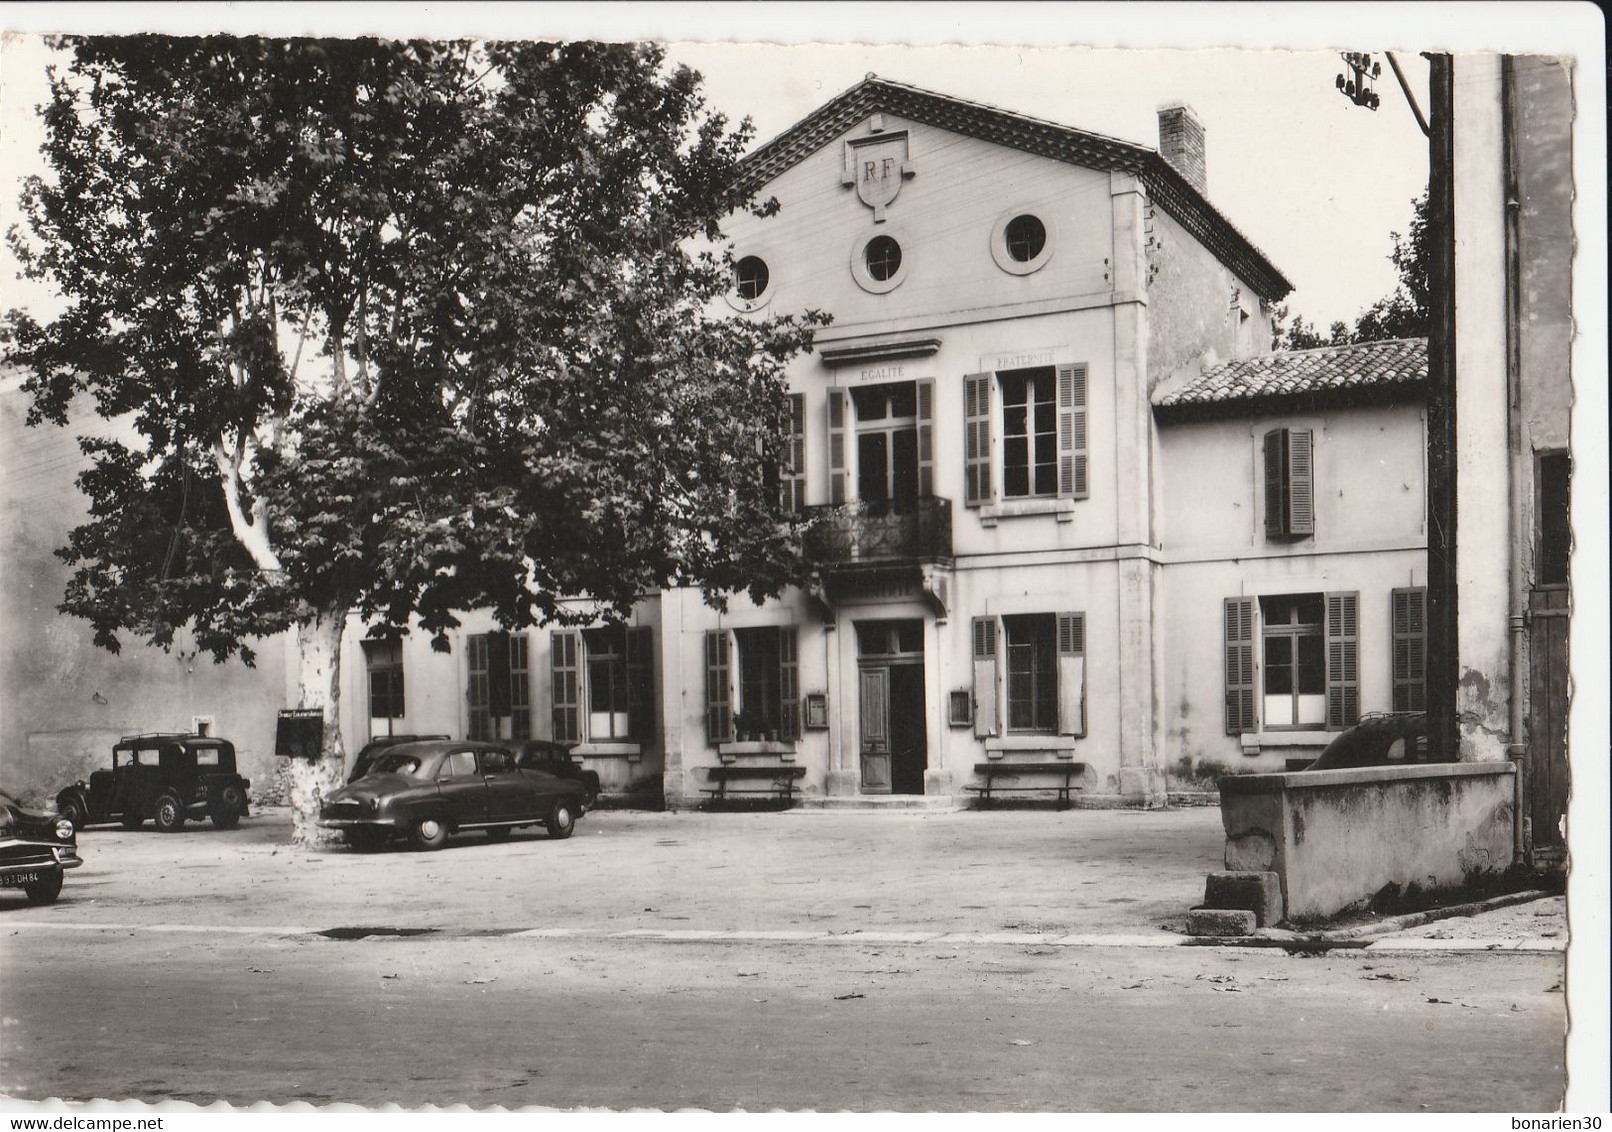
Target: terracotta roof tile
[1399, 363]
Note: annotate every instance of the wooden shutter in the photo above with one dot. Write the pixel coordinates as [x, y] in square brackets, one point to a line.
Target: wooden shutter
[926, 437]
[1343, 660]
[1300, 482]
[1409, 620]
[520, 688]
[788, 684]
[641, 684]
[476, 657]
[1240, 715]
[1071, 674]
[498, 682]
[718, 697]
[1276, 483]
[563, 660]
[793, 485]
[1289, 483]
[1072, 432]
[977, 441]
[836, 446]
[984, 676]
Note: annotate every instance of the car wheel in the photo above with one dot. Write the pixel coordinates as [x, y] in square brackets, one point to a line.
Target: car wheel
[225, 819]
[561, 820]
[499, 832]
[72, 809]
[132, 820]
[45, 890]
[365, 839]
[429, 833]
[170, 813]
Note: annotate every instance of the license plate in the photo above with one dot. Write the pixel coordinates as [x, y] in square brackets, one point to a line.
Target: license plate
[17, 880]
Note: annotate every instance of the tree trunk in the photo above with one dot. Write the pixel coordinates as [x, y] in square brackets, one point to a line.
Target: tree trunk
[318, 686]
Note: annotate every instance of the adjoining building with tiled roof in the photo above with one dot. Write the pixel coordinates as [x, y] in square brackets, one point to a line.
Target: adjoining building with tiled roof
[1359, 373]
[1023, 568]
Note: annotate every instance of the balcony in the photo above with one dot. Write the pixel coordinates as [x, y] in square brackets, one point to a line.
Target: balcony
[856, 534]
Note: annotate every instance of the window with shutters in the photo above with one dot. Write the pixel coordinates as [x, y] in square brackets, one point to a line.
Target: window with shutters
[1309, 670]
[1025, 435]
[1408, 613]
[1030, 673]
[499, 692]
[752, 685]
[886, 446]
[1289, 483]
[603, 683]
[384, 662]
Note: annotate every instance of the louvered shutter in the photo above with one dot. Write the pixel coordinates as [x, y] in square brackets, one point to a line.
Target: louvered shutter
[977, 439]
[718, 697]
[1409, 618]
[1300, 482]
[1276, 483]
[836, 446]
[563, 650]
[1343, 660]
[641, 684]
[1072, 432]
[984, 676]
[1071, 674]
[926, 437]
[1240, 716]
[788, 684]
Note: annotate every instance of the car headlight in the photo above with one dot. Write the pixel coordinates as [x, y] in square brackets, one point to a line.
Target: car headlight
[64, 830]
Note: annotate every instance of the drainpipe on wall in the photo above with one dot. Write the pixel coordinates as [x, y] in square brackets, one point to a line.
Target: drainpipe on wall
[1516, 479]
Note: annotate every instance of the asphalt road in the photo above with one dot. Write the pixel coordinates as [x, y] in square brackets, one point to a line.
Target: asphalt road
[513, 1021]
[936, 961]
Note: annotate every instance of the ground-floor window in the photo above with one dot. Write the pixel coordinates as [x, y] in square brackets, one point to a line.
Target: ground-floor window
[500, 691]
[1030, 674]
[603, 685]
[752, 684]
[384, 662]
[1295, 689]
[1308, 648]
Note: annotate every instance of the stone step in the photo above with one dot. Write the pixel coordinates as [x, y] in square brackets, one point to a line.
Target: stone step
[942, 802]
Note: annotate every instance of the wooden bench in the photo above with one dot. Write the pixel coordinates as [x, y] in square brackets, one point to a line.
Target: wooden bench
[778, 781]
[1061, 769]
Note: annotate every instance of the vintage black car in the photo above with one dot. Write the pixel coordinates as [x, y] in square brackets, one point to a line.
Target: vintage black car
[379, 745]
[1379, 739]
[426, 791]
[555, 759]
[167, 778]
[35, 850]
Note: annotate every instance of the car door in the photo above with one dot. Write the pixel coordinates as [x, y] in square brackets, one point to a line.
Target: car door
[460, 785]
[506, 793]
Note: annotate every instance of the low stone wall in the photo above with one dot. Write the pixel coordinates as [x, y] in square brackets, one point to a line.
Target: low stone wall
[1337, 837]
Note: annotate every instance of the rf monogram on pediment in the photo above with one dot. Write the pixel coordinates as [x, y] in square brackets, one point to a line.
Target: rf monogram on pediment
[877, 166]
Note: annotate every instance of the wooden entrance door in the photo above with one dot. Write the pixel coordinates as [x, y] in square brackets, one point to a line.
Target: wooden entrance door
[1545, 786]
[875, 725]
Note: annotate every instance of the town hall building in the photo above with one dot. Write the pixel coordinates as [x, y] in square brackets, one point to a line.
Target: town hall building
[1077, 525]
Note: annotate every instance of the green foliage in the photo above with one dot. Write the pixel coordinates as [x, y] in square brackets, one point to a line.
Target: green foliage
[404, 328]
[1400, 314]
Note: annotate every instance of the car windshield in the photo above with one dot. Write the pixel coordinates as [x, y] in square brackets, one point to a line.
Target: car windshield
[394, 763]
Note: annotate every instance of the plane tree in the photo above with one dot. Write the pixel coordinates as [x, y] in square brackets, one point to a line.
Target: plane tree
[402, 329]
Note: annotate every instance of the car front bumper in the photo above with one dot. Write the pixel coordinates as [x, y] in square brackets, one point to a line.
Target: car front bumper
[21, 858]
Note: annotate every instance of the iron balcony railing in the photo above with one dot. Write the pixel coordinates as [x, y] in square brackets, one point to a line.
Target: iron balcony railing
[856, 533]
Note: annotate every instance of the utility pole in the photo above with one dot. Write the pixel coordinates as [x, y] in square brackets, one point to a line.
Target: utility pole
[1443, 637]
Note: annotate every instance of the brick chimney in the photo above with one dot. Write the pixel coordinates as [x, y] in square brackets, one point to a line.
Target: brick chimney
[1181, 143]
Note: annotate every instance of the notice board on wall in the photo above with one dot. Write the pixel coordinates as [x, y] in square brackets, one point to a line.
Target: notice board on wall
[299, 733]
